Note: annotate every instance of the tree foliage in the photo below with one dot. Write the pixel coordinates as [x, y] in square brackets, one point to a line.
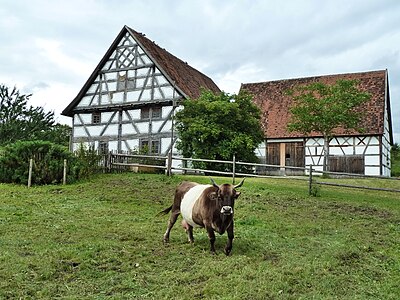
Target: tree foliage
[219, 126]
[322, 108]
[18, 121]
[48, 162]
[47, 167]
[395, 160]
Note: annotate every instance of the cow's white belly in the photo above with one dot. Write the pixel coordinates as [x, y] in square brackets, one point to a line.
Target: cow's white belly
[189, 200]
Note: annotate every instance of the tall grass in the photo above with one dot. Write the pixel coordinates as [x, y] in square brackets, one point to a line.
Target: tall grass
[101, 239]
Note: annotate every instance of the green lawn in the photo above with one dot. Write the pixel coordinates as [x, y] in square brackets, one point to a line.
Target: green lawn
[101, 239]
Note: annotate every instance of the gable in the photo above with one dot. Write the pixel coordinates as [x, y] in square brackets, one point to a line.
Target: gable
[274, 102]
[136, 71]
[128, 76]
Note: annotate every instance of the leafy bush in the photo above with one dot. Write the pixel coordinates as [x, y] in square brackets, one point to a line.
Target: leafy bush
[395, 158]
[86, 162]
[48, 162]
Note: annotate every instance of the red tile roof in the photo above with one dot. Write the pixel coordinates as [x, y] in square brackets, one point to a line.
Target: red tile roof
[187, 80]
[271, 97]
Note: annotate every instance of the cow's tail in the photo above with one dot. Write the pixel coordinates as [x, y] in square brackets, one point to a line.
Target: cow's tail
[165, 211]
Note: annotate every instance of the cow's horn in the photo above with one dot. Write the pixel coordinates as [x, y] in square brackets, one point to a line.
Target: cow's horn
[213, 182]
[240, 184]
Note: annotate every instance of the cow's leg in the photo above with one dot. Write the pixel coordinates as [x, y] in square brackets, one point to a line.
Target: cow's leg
[190, 234]
[228, 247]
[171, 222]
[188, 229]
[211, 237]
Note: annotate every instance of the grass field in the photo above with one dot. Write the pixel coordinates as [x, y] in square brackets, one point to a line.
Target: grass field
[101, 239]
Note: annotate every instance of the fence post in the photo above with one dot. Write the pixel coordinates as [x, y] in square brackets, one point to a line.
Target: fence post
[169, 163]
[233, 169]
[65, 172]
[110, 162]
[310, 181]
[30, 172]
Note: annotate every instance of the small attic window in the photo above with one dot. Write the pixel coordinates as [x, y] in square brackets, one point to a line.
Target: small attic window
[155, 112]
[96, 117]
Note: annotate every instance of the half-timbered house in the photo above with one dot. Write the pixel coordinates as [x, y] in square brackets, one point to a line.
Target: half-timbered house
[350, 151]
[129, 100]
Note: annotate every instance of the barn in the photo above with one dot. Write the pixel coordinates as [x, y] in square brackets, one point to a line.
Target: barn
[130, 98]
[365, 153]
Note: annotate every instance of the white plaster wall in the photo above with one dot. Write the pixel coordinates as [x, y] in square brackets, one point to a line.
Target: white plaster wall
[133, 144]
[105, 116]
[146, 96]
[132, 96]
[86, 118]
[165, 144]
[113, 146]
[77, 121]
[260, 150]
[112, 129]
[84, 102]
[165, 111]
[76, 146]
[372, 150]
[94, 130]
[128, 129]
[372, 160]
[156, 126]
[143, 127]
[372, 170]
[79, 132]
[134, 113]
[118, 97]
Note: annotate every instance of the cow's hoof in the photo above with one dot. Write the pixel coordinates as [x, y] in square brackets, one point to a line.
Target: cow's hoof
[166, 241]
[227, 252]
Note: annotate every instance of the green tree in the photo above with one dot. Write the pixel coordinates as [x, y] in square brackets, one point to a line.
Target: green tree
[322, 108]
[58, 134]
[18, 121]
[219, 126]
[395, 160]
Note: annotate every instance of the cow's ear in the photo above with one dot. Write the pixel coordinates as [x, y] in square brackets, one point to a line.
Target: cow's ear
[237, 194]
[213, 196]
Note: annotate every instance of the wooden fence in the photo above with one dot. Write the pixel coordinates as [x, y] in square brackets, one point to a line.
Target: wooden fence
[30, 171]
[117, 162]
[133, 162]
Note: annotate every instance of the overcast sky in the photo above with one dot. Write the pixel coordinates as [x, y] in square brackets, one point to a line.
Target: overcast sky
[49, 48]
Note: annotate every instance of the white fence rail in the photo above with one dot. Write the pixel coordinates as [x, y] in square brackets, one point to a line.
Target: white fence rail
[127, 161]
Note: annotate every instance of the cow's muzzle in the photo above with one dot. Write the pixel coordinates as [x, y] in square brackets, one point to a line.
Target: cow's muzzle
[226, 210]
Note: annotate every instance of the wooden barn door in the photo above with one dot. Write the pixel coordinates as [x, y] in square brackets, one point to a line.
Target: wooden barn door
[285, 154]
[294, 157]
[347, 163]
[273, 157]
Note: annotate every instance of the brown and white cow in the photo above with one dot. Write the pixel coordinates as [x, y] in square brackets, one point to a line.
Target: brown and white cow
[204, 205]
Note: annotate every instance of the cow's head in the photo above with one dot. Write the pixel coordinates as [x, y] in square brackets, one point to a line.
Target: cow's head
[225, 195]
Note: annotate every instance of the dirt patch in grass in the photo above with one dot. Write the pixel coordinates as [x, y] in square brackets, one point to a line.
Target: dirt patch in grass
[362, 211]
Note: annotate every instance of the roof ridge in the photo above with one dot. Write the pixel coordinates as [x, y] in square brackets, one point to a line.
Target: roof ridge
[318, 76]
[165, 50]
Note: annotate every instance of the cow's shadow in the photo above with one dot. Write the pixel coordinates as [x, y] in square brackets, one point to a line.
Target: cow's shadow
[241, 245]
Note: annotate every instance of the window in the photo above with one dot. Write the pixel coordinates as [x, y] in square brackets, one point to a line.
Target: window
[96, 118]
[103, 147]
[144, 146]
[121, 82]
[155, 112]
[155, 147]
[145, 113]
[152, 148]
